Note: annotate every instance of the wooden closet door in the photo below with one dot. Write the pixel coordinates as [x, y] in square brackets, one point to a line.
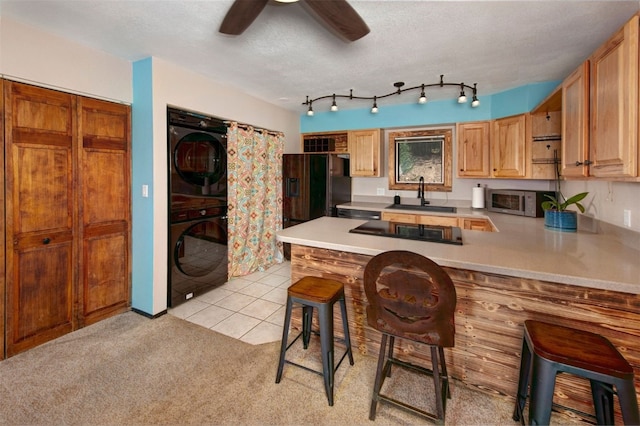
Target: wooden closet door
[40, 280]
[2, 228]
[105, 209]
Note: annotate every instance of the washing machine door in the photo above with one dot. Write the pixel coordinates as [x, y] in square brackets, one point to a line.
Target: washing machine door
[200, 160]
[202, 248]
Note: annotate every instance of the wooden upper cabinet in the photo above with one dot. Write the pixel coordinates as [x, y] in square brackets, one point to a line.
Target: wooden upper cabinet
[41, 214]
[614, 105]
[510, 146]
[473, 149]
[575, 123]
[365, 152]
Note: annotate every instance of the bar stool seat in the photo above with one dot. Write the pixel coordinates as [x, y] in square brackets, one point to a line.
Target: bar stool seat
[320, 293]
[549, 349]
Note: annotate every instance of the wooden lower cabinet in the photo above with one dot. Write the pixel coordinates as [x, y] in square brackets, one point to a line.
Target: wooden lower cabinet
[490, 313]
[473, 224]
[67, 186]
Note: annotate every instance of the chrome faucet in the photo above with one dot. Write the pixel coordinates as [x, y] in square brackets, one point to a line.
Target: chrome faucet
[421, 191]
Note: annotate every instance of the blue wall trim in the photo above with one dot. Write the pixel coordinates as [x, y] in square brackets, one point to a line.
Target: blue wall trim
[142, 208]
[510, 102]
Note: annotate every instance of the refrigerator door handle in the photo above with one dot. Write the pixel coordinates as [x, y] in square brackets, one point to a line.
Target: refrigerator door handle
[293, 187]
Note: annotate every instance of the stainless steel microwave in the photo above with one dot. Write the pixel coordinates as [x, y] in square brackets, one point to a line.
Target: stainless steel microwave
[518, 202]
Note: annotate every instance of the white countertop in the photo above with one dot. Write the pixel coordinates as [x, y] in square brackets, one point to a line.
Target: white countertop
[522, 247]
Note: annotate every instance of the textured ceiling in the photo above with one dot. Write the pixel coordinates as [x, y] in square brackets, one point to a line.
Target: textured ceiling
[286, 54]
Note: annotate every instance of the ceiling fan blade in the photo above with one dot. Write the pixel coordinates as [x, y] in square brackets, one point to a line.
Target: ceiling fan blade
[341, 17]
[240, 15]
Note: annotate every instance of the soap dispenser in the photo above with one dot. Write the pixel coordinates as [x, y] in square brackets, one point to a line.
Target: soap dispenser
[396, 199]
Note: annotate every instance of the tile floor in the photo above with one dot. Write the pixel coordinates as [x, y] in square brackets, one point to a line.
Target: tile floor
[249, 308]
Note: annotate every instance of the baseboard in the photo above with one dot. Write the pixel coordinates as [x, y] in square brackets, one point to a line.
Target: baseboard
[144, 314]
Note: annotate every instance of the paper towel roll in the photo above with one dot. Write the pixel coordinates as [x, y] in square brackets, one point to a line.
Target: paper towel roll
[477, 198]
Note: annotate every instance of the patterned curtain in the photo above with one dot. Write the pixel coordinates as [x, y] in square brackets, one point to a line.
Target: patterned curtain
[254, 198]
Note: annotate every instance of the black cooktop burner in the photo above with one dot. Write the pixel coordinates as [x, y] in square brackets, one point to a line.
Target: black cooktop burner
[409, 231]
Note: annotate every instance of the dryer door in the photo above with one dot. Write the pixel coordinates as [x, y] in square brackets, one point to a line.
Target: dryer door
[200, 161]
[202, 248]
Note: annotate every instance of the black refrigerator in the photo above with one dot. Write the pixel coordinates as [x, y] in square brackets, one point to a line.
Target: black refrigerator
[313, 185]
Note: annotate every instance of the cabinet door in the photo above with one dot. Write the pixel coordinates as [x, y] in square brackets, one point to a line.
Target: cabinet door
[400, 217]
[104, 188]
[614, 105]
[575, 122]
[476, 224]
[473, 149]
[40, 135]
[364, 153]
[510, 145]
[437, 220]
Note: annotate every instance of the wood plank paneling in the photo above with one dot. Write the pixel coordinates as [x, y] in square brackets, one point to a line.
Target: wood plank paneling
[490, 314]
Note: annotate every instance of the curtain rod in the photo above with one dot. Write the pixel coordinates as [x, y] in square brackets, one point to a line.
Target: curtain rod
[257, 129]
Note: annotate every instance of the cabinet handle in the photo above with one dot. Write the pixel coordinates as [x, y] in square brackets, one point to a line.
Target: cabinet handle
[586, 163]
[203, 212]
[46, 240]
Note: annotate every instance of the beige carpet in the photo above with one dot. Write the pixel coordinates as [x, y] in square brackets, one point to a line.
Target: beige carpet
[132, 370]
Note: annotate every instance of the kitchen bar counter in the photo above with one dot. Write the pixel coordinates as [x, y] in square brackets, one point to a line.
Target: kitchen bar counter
[522, 247]
[582, 280]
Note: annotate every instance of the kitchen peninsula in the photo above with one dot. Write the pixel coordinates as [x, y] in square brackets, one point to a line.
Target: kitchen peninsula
[585, 280]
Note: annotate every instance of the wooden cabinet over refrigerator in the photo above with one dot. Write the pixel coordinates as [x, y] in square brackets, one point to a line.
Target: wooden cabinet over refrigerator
[68, 213]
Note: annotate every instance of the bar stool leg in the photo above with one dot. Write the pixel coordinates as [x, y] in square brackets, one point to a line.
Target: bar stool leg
[628, 401]
[378, 382]
[543, 382]
[603, 402]
[437, 382]
[345, 327]
[523, 382]
[307, 320]
[285, 334]
[443, 369]
[325, 316]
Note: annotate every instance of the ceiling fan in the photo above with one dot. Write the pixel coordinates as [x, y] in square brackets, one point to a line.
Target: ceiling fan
[337, 15]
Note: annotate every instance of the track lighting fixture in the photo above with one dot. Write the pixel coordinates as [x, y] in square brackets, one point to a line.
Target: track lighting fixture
[462, 98]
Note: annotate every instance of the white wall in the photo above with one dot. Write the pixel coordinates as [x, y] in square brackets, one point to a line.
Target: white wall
[180, 87]
[30, 55]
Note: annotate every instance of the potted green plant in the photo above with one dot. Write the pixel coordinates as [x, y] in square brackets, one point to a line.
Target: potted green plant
[556, 215]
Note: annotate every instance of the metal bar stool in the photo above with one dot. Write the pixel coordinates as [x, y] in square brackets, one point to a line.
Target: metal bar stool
[412, 298]
[320, 293]
[549, 349]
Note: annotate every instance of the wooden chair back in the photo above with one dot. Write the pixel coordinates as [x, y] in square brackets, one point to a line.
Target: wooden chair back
[411, 297]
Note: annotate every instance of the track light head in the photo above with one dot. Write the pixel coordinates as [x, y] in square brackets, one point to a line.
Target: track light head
[423, 98]
[462, 98]
[334, 106]
[374, 108]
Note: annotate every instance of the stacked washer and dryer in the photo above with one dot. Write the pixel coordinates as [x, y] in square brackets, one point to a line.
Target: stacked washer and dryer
[198, 204]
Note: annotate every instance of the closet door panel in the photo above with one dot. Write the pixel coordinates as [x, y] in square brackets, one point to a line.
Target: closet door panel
[105, 181]
[40, 215]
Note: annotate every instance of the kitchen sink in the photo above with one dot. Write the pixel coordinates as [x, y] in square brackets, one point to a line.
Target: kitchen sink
[427, 208]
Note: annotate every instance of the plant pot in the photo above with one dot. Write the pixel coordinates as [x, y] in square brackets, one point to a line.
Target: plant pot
[564, 221]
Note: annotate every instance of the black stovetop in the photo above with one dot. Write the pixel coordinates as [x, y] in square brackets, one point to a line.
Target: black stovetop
[409, 231]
